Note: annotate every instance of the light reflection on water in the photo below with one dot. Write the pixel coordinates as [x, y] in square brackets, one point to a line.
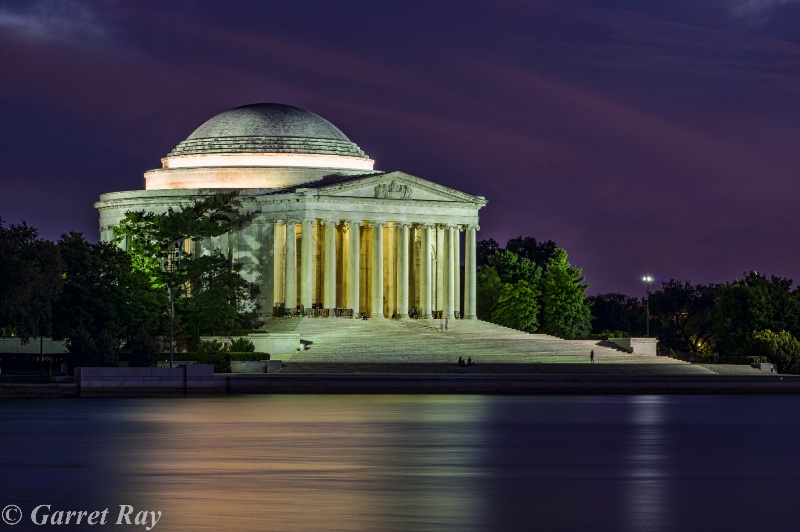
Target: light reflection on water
[409, 463]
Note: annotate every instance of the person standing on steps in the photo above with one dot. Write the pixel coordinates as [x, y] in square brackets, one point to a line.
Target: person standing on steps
[591, 356]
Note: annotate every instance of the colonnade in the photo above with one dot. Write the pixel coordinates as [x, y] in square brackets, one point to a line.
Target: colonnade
[380, 268]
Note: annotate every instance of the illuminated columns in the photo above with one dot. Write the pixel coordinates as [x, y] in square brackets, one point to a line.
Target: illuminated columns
[377, 269]
[353, 266]
[290, 279]
[470, 266]
[449, 271]
[402, 271]
[329, 294]
[457, 266]
[426, 277]
[277, 262]
[306, 261]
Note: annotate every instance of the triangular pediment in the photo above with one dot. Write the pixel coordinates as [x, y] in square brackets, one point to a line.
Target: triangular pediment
[398, 186]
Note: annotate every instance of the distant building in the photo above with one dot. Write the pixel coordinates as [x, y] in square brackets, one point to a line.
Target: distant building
[325, 230]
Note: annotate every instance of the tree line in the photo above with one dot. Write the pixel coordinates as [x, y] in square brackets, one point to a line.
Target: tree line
[757, 315]
[105, 301]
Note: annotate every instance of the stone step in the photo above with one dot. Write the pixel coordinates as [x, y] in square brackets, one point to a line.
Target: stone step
[386, 340]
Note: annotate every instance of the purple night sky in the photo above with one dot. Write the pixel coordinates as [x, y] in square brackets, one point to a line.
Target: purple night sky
[644, 137]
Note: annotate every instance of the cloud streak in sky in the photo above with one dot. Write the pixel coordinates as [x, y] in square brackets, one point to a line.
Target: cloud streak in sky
[54, 20]
[758, 11]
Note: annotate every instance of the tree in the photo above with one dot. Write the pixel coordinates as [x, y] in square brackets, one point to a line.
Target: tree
[104, 302]
[527, 247]
[754, 303]
[684, 312]
[488, 286]
[616, 312]
[218, 300]
[485, 249]
[517, 306]
[511, 268]
[30, 281]
[565, 310]
[211, 296]
[780, 348]
[148, 235]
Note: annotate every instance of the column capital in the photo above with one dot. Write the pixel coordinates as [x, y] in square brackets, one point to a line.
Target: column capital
[375, 223]
[293, 221]
[404, 225]
[329, 221]
[352, 223]
[474, 227]
[305, 221]
[427, 225]
[278, 221]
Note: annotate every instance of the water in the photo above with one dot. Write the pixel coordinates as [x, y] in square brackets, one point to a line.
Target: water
[407, 463]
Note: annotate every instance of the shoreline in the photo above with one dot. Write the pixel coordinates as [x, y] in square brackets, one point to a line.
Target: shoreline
[510, 380]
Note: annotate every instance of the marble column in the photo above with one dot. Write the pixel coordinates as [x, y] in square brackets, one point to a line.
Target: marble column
[329, 293]
[377, 270]
[457, 280]
[306, 262]
[426, 278]
[290, 278]
[277, 263]
[449, 273]
[353, 266]
[402, 271]
[470, 267]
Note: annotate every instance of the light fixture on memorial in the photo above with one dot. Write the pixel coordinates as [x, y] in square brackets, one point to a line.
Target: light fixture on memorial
[647, 280]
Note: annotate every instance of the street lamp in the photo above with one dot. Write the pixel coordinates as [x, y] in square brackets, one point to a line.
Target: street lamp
[170, 262]
[648, 280]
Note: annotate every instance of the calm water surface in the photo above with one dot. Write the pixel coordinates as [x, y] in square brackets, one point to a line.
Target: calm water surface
[408, 463]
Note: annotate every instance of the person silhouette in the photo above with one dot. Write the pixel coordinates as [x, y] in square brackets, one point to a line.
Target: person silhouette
[591, 356]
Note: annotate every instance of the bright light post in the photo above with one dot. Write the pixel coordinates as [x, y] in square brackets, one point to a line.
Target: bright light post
[170, 262]
[648, 280]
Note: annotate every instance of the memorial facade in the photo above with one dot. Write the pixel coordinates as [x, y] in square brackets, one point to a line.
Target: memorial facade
[317, 227]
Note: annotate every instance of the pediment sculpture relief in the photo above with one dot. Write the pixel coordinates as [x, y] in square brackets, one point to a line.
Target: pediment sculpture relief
[393, 190]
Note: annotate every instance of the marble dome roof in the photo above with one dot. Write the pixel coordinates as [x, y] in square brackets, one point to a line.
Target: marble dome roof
[267, 128]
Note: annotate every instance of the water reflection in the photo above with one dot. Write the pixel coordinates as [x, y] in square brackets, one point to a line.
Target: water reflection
[403, 463]
[313, 462]
[646, 505]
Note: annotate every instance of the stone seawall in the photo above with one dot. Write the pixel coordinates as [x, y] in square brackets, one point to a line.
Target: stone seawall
[200, 379]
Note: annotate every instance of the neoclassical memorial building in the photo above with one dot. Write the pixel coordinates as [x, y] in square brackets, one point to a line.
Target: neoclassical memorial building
[322, 228]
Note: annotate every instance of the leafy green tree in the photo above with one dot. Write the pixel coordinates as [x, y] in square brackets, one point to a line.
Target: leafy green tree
[684, 312]
[30, 281]
[617, 312]
[528, 248]
[149, 235]
[104, 301]
[218, 301]
[565, 310]
[512, 268]
[485, 249]
[780, 348]
[488, 285]
[517, 306]
[754, 303]
[211, 296]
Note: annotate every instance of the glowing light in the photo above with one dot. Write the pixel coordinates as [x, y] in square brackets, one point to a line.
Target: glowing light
[292, 160]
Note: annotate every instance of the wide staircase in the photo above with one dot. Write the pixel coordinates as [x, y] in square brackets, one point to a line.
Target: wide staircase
[425, 341]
